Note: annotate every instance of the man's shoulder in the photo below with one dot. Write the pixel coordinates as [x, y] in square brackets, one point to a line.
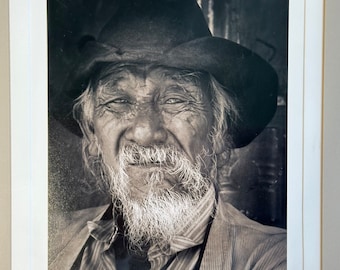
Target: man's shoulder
[68, 233]
[244, 230]
[241, 241]
[230, 216]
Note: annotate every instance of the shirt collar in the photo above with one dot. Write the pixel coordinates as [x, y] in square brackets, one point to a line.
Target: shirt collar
[191, 235]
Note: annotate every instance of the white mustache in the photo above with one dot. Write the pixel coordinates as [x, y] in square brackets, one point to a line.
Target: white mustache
[169, 160]
[156, 155]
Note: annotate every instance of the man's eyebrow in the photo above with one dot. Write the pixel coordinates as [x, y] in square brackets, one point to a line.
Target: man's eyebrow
[186, 85]
[111, 83]
[186, 76]
[111, 78]
[110, 90]
[176, 86]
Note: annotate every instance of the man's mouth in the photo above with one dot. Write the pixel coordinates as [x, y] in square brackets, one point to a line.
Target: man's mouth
[146, 164]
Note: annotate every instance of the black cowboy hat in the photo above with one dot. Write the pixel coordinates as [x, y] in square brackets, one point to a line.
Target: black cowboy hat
[174, 33]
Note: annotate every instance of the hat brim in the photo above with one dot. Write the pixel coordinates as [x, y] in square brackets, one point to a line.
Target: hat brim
[250, 80]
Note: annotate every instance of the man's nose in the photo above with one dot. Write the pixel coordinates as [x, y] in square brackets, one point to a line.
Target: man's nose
[147, 129]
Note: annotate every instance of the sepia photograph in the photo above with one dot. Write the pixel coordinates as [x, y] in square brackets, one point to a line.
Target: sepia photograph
[167, 134]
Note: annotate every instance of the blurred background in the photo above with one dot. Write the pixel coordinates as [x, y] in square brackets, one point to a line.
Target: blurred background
[255, 181]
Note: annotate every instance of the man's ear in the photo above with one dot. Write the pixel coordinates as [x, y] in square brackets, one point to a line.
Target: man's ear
[222, 150]
[221, 143]
[90, 139]
[222, 158]
[93, 147]
[219, 146]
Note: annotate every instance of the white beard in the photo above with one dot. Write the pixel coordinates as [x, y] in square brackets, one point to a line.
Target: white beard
[159, 215]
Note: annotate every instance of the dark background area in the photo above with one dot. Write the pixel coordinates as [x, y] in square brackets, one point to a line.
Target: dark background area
[255, 182]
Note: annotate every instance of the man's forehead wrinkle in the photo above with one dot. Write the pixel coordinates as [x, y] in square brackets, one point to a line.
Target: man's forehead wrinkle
[112, 75]
[174, 75]
[190, 83]
[116, 70]
[167, 82]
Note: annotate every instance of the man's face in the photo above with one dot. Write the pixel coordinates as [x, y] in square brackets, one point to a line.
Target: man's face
[148, 108]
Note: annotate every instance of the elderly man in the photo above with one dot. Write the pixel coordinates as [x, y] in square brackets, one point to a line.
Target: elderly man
[159, 101]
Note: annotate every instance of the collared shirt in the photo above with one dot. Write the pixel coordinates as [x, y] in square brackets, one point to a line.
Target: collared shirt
[181, 253]
[234, 242]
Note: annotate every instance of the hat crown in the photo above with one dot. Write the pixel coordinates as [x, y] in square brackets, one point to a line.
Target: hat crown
[154, 25]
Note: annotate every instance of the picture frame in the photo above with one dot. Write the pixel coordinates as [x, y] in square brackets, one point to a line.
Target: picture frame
[304, 134]
[28, 36]
[5, 164]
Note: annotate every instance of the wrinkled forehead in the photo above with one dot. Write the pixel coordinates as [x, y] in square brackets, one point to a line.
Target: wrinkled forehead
[113, 74]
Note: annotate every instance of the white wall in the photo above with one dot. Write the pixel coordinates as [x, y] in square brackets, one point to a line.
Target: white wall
[331, 134]
[4, 140]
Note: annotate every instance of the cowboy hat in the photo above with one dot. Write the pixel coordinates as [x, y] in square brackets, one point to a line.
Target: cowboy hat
[174, 33]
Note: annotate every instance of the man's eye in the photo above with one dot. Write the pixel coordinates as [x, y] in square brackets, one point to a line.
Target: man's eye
[119, 101]
[117, 104]
[174, 101]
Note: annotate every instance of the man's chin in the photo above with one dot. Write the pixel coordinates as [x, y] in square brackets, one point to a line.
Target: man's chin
[158, 192]
[155, 218]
